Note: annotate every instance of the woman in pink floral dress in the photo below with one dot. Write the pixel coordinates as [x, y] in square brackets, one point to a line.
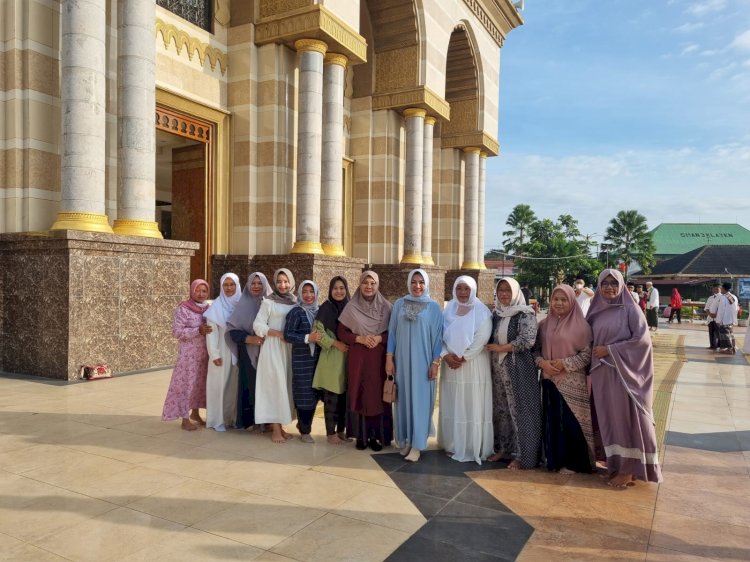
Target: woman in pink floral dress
[187, 389]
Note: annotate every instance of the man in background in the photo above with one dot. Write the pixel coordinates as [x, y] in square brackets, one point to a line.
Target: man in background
[652, 306]
[583, 295]
[726, 318]
[712, 305]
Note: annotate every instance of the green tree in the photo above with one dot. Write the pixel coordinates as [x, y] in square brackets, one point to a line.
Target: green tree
[520, 219]
[630, 240]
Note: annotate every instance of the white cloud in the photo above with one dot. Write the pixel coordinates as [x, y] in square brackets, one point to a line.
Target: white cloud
[705, 7]
[690, 49]
[742, 41]
[689, 27]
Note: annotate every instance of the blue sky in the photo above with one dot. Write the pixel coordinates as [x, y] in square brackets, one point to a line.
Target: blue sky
[610, 105]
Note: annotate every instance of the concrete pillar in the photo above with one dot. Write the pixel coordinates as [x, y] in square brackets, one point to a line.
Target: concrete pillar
[309, 145]
[471, 208]
[482, 211]
[332, 185]
[415, 118]
[136, 134]
[83, 98]
[429, 129]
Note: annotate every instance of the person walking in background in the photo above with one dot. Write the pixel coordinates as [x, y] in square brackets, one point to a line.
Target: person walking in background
[710, 308]
[642, 298]
[726, 318]
[583, 295]
[652, 306]
[675, 303]
[633, 293]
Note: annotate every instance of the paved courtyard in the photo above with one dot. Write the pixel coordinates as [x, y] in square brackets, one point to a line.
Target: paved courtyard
[89, 472]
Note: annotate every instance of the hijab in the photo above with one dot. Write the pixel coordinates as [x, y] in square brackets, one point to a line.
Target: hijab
[283, 298]
[676, 298]
[331, 309]
[367, 317]
[245, 312]
[191, 303]
[425, 296]
[462, 320]
[505, 313]
[564, 336]
[221, 309]
[311, 310]
[599, 303]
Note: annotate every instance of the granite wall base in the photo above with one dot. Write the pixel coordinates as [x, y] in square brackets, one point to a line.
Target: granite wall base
[70, 297]
[393, 278]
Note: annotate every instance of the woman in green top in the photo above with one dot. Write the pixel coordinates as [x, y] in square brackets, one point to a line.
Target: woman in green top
[330, 374]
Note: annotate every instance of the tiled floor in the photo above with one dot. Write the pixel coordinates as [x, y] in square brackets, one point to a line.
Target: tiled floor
[88, 472]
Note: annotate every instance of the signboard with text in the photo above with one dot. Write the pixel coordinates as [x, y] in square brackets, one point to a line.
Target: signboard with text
[743, 288]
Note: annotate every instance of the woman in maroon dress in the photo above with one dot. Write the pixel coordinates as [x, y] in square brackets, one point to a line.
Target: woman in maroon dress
[363, 326]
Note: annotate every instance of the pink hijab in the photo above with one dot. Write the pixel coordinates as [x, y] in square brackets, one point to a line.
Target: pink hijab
[191, 303]
[564, 336]
[366, 317]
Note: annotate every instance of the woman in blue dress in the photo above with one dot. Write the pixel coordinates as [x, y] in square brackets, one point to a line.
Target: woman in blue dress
[415, 339]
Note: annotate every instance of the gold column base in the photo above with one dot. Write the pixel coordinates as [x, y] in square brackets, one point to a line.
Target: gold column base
[427, 260]
[412, 258]
[482, 266]
[471, 265]
[334, 250]
[307, 247]
[132, 227]
[88, 222]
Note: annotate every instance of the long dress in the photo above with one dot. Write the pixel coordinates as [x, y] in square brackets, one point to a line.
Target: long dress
[516, 403]
[273, 389]
[187, 388]
[414, 344]
[369, 416]
[246, 380]
[305, 397]
[330, 378]
[220, 403]
[465, 421]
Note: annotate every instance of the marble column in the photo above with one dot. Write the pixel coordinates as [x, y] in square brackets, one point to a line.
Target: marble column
[429, 129]
[415, 118]
[83, 107]
[471, 208]
[332, 185]
[136, 134]
[309, 145]
[480, 205]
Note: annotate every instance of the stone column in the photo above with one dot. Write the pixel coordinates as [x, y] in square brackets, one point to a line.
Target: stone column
[309, 145]
[414, 170]
[429, 129]
[482, 211]
[332, 188]
[471, 208]
[136, 134]
[83, 98]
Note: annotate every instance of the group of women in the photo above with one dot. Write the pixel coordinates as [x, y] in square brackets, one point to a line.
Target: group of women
[566, 393]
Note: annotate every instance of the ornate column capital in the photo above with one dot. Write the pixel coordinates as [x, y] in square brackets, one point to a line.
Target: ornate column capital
[336, 58]
[483, 154]
[472, 150]
[414, 112]
[316, 45]
[430, 120]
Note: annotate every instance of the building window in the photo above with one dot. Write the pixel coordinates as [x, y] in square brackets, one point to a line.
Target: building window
[197, 12]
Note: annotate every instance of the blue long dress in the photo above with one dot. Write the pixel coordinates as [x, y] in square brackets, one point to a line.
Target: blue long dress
[415, 343]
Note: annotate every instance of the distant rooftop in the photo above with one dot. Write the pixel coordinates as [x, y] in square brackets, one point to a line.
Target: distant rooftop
[707, 261]
[672, 239]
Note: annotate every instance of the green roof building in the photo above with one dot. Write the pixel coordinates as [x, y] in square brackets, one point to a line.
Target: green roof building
[674, 239]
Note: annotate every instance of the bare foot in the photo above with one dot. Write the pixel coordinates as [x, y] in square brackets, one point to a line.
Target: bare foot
[514, 465]
[413, 455]
[496, 457]
[195, 417]
[621, 481]
[278, 437]
[334, 440]
[342, 436]
[187, 426]
[306, 438]
[286, 435]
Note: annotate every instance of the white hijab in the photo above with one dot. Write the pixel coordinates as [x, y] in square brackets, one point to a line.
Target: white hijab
[221, 309]
[462, 320]
[517, 306]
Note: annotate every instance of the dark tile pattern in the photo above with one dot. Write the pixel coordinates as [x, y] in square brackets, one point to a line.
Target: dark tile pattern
[718, 442]
[463, 521]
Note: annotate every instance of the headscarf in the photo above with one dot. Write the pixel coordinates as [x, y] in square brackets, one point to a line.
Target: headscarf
[425, 296]
[367, 317]
[676, 301]
[245, 312]
[599, 303]
[462, 320]
[221, 309]
[311, 310]
[564, 336]
[331, 309]
[505, 313]
[191, 303]
[283, 298]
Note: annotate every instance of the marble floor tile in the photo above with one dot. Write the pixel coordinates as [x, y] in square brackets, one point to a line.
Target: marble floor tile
[571, 545]
[316, 489]
[383, 506]
[732, 508]
[358, 465]
[191, 544]
[352, 540]
[697, 536]
[656, 554]
[19, 551]
[251, 474]
[688, 460]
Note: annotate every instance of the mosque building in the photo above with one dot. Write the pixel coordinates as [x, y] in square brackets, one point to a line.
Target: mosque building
[145, 143]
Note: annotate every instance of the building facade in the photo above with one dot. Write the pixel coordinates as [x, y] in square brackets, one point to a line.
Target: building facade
[330, 134]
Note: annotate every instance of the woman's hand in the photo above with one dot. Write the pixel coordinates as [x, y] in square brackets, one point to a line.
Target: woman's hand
[218, 362]
[205, 329]
[559, 365]
[390, 366]
[433, 372]
[275, 334]
[499, 347]
[549, 369]
[454, 361]
[314, 337]
[341, 346]
[254, 340]
[600, 351]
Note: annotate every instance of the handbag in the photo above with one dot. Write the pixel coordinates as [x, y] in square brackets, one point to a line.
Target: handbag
[95, 371]
[389, 389]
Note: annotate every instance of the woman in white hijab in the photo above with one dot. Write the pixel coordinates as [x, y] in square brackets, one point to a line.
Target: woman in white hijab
[222, 358]
[465, 422]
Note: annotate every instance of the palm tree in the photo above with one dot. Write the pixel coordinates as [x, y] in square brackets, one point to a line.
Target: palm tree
[520, 219]
[630, 239]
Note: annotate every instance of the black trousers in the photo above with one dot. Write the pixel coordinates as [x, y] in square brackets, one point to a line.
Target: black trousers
[713, 335]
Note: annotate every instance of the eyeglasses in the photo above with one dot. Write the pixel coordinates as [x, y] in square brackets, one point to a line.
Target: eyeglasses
[609, 284]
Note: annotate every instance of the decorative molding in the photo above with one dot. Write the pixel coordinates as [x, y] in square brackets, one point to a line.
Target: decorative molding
[397, 69]
[88, 222]
[133, 227]
[414, 112]
[178, 124]
[182, 39]
[421, 96]
[482, 140]
[314, 45]
[222, 12]
[307, 247]
[464, 117]
[499, 17]
[483, 17]
[336, 58]
[314, 22]
[270, 8]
